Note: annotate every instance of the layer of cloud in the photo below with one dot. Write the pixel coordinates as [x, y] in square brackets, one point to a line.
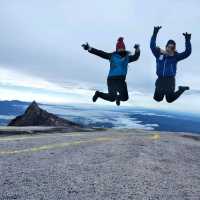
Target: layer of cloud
[20, 86]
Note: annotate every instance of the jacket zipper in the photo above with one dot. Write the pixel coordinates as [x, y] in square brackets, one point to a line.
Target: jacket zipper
[172, 69]
[164, 67]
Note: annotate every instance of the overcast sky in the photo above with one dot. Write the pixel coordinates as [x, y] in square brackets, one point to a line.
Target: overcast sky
[40, 42]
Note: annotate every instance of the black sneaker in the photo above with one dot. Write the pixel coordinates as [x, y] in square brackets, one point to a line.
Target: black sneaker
[95, 97]
[118, 101]
[183, 88]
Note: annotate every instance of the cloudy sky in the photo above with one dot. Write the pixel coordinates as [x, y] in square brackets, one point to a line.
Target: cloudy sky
[41, 57]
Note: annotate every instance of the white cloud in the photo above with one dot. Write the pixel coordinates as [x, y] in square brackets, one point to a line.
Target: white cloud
[14, 78]
[20, 86]
[15, 85]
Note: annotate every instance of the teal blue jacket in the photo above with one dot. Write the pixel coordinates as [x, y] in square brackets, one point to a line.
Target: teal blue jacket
[118, 63]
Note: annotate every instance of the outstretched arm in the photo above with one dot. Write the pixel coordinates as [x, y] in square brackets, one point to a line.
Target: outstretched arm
[97, 52]
[188, 48]
[136, 56]
[155, 50]
[100, 53]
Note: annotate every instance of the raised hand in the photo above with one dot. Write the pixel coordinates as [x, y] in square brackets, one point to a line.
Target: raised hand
[86, 46]
[156, 29]
[187, 36]
[137, 47]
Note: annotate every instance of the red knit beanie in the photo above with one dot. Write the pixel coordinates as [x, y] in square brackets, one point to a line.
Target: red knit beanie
[120, 44]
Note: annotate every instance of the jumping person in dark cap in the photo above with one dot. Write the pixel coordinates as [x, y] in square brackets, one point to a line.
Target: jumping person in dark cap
[166, 61]
[116, 81]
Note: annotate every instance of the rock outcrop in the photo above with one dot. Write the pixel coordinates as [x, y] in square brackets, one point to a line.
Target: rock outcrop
[35, 116]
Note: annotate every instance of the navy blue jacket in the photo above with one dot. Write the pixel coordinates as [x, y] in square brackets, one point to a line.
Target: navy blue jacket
[118, 63]
[167, 65]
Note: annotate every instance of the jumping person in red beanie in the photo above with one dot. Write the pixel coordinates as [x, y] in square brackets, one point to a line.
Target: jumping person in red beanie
[116, 81]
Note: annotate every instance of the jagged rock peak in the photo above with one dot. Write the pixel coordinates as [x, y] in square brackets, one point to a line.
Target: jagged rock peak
[36, 116]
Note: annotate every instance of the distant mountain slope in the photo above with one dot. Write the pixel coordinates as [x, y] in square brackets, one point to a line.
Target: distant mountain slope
[35, 116]
[12, 107]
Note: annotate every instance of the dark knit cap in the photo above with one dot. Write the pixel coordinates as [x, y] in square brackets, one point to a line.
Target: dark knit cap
[171, 42]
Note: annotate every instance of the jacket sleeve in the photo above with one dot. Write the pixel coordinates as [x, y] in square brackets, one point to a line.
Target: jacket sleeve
[155, 50]
[186, 53]
[134, 57]
[100, 53]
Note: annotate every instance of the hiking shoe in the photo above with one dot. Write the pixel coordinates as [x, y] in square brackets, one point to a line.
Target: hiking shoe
[183, 88]
[95, 97]
[118, 101]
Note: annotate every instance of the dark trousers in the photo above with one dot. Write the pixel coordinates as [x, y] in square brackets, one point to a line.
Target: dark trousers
[117, 90]
[165, 86]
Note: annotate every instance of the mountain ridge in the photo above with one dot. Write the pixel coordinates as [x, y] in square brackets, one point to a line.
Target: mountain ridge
[36, 116]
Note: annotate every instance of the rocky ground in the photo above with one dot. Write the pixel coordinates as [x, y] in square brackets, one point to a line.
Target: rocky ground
[100, 165]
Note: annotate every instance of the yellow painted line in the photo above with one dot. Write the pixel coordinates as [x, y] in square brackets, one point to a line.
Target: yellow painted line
[54, 146]
[155, 137]
[11, 138]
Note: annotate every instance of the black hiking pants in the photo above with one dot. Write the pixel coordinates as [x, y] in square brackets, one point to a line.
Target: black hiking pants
[165, 86]
[117, 89]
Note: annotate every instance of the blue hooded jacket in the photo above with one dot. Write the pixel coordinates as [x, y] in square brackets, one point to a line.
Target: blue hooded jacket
[167, 65]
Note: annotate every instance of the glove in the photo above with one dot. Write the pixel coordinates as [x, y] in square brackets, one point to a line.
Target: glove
[187, 36]
[86, 46]
[156, 29]
[137, 46]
